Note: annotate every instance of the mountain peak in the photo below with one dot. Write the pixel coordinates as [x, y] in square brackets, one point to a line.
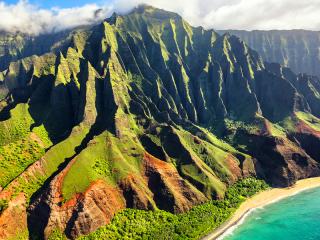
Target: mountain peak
[150, 11]
[144, 7]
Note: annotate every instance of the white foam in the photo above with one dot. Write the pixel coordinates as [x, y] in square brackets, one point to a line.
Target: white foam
[231, 229]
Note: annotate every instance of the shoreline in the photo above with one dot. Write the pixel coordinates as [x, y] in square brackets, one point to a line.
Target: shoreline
[260, 200]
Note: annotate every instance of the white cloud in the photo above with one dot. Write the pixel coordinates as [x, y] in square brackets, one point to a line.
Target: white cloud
[245, 14]
[218, 14]
[27, 18]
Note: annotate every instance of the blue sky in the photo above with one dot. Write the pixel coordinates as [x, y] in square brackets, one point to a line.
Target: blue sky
[59, 3]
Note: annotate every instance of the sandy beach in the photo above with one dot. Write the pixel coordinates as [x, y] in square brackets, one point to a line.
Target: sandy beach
[260, 200]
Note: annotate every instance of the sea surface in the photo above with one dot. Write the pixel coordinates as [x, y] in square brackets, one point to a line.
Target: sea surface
[293, 218]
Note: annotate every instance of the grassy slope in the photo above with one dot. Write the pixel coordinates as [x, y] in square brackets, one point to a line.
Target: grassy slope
[56, 155]
[106, 158]
[19, 147]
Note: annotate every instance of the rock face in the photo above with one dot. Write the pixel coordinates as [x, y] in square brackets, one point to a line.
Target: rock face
[13, 221]
[82, 214]
[171, 192]
[297, 49]
[145, 111]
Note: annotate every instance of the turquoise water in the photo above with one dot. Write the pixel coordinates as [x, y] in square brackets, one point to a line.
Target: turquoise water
[293, 218]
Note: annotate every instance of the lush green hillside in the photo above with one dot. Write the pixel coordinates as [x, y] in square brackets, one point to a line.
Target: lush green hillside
[144, 111]
[297, 49]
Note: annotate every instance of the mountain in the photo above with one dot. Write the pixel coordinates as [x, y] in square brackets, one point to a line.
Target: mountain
[144, 111]
[297, 49]
[16, 46]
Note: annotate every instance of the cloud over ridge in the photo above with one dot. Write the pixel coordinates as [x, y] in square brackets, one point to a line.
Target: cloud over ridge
[27, 18]
[218, 14]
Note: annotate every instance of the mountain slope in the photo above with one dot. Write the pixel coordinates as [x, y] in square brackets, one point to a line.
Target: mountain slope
[296, 49]
[144, 111]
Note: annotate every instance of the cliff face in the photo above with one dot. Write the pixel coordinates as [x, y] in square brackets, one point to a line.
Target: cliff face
[297, 49]
[144, 111]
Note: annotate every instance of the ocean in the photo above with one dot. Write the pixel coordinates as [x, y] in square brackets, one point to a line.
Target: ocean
[293, 218]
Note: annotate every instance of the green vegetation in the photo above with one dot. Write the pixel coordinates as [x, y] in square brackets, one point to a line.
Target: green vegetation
[17, 127]
[289, 123]
[277, 131]
[43, 136]
[30, 183]
[53, 158]
[309, 119]
[233, 125]
[90, 165]
[21, 235]
[57, 235]
[3, 205]
[19, 147]
[16, 157]
[138, 224]
[107, 158]
[212, 156]
[30, 186]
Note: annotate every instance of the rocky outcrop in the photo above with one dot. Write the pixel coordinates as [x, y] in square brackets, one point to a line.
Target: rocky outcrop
[307, 138]
[82, 214]
[170, 191]
[280, 161]
[137, 193]
[94, 209]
